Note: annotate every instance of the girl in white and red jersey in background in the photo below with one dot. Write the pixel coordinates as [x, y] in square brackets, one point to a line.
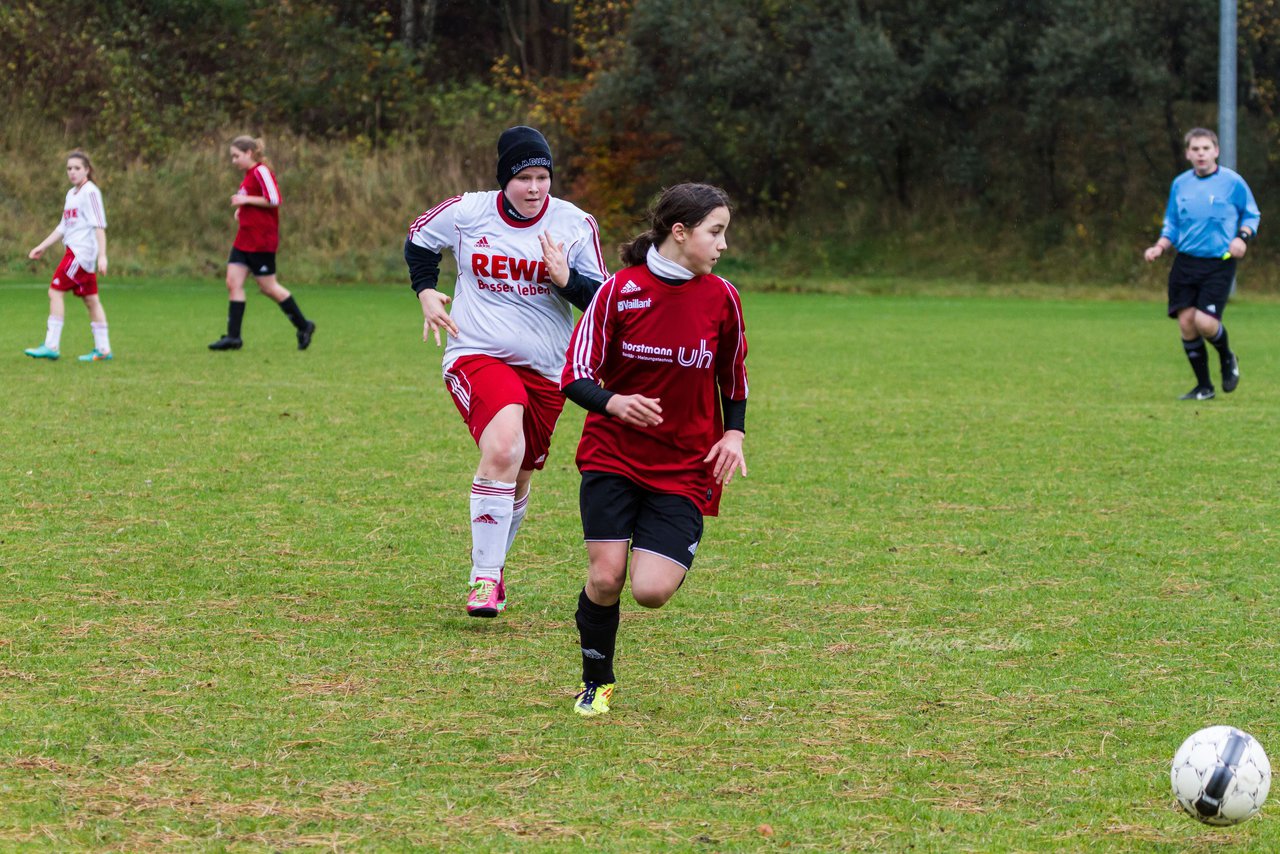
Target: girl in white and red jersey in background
[83, 229]
[659, 362]
[257, 212]
[524, 259]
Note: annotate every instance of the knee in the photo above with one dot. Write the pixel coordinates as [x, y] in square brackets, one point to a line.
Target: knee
[504, 451]
[605, 582]
[650, 598]
[653, 593]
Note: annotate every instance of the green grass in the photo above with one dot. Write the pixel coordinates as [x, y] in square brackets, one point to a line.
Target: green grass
[985, 575]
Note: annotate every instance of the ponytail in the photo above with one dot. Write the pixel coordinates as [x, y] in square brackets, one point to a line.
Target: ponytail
[636, 250]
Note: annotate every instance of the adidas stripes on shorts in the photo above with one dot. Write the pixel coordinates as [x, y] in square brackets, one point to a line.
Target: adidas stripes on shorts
[482, 385]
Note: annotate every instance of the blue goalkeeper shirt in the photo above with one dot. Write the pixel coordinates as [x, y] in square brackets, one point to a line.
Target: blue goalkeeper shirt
[1204, 214]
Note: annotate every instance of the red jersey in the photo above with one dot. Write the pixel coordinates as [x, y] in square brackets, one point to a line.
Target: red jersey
[259, 227]
[684, 344]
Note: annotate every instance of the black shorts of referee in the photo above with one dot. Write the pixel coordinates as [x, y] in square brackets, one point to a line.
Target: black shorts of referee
[1202, 283]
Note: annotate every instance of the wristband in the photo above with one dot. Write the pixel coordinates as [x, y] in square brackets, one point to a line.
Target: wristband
[1245, 234]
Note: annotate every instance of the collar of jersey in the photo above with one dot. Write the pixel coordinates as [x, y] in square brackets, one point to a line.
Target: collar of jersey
[519, 223]
[664, 268]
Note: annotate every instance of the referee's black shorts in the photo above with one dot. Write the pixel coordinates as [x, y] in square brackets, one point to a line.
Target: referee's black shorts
[1203, 283]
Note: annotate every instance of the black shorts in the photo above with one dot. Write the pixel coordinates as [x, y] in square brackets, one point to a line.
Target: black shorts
[259, 263]
[615, 508]
[1203, 283]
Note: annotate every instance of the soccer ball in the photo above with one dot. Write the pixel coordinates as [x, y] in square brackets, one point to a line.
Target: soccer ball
[1221, 775]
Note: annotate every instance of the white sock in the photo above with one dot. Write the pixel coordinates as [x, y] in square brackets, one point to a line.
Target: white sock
[53, 333]
[517, 516]
[491, 506]
[101, 342]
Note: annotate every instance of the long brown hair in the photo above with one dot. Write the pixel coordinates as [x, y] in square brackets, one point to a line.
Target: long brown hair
[688, 204]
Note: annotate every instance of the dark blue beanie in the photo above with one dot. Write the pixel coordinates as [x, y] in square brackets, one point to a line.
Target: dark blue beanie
[519, 148]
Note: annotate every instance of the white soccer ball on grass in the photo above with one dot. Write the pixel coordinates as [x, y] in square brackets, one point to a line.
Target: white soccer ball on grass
[1221, 775]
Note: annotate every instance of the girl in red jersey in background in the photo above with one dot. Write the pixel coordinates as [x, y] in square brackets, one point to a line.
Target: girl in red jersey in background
[659, 362]
[83, 230]
[257, 205]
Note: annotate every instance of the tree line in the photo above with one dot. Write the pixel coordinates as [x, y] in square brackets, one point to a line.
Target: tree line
[1051, 115]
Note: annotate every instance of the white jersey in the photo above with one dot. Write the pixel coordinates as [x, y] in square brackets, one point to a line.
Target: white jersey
[504, 303]
[81, 214]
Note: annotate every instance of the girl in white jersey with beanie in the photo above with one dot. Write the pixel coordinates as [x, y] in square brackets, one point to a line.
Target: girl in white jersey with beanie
[524, 260]
[83, 230]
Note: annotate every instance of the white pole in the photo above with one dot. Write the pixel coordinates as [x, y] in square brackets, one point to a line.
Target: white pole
[1227, 50]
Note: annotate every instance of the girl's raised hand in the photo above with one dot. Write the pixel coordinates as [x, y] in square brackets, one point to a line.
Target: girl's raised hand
[553, 257]
[434, 316]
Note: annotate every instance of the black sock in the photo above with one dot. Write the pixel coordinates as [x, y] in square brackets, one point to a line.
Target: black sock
[1199, 360]
[1219, 342]
[290, 308]
[235, 315]
[598, 630]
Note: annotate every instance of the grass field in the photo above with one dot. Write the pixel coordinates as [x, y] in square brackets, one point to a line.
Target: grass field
[985, 575]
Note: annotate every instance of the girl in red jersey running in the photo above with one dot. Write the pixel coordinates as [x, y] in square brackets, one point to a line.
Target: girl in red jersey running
[525, 258]
[257, 211]
[83, 230]
[659, 362]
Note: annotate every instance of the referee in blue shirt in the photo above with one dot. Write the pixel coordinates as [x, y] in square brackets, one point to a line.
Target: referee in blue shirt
[1210, 218]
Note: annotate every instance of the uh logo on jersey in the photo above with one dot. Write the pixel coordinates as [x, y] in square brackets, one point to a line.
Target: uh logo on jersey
[522, 276]
[700, 358]
[686, 357]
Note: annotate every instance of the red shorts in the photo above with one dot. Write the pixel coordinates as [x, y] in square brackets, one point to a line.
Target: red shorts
[482, 385]
[70, 276]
